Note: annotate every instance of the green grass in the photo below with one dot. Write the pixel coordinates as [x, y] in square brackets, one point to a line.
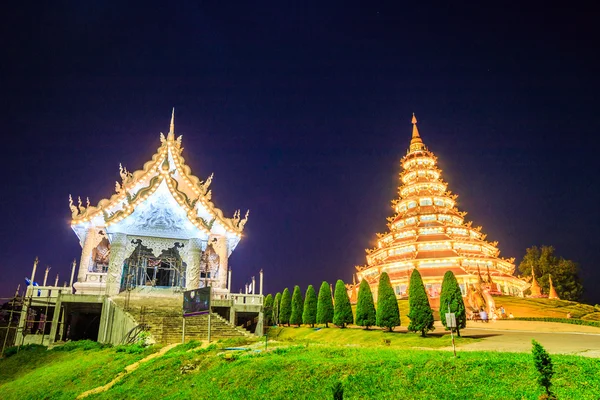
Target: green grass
[62, 373]
[296, 370]
[546, 308]
[383, 373]
[361, 337]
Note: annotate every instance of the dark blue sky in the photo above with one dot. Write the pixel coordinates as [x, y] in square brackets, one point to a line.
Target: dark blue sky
[303, 112]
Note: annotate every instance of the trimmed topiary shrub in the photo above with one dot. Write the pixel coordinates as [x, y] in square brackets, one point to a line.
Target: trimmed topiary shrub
[419, 310]
[365, 308]
[268, 309]
[297, 307]
[309, 314]
[324, 305]
[276, 308]
[452, 295]
[342, 310]
[285, 311]
[388, 314]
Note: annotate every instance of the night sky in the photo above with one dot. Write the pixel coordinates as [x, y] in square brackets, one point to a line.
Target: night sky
[303, 113]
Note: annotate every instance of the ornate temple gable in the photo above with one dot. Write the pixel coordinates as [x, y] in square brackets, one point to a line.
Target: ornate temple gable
[167, 165]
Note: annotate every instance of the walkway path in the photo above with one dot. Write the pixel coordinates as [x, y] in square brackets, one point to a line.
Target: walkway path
[515, 336]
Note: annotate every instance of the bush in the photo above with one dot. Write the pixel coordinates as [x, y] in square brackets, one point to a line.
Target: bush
[365, 308]
[268, 309]
[338, 391]
[420, 313]
[297, 307]
[388, 314]
[309, 314]
[324, 305]
[285, 310]
[130, 348]
[276, 308]
[543, 364]
[342, 311]
[452, 295]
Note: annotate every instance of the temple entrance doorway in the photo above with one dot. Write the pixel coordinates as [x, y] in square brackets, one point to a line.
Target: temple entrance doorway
[143, 268]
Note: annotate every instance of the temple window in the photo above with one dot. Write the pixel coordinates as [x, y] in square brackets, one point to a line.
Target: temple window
[100, 257]
[439, 202]
[400, 290]
[412, 204]
[430, 217]
[425, 202]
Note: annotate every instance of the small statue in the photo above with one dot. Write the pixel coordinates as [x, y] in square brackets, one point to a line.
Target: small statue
[118, 187]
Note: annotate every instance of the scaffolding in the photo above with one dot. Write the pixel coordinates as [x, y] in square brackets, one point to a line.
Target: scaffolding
[142, 268]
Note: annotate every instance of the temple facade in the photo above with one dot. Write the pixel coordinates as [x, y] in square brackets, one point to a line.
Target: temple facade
[158, 229]
[428, 232]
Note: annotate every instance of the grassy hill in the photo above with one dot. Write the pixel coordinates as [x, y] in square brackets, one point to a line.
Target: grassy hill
[530, 308]
[289, 370]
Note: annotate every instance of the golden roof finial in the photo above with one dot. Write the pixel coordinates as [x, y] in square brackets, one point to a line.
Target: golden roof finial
[171, 135]
[416, 143]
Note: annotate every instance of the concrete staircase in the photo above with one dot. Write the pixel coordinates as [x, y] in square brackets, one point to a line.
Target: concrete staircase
[163, 316]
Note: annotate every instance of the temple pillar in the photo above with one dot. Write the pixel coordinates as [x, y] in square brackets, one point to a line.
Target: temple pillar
[261, 283]
[118, 247]
[229, 280]
[88, 244]
[192, 272]
[220, 246]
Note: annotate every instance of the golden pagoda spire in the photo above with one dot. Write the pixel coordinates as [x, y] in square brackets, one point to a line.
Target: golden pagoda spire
[171, 135]
[552, 292]
[536, 291]
[416, 143]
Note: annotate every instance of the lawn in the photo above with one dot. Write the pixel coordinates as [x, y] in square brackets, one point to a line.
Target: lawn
[300, 367]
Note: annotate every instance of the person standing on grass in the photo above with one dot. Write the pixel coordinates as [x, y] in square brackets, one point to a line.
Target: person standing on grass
[483, 315]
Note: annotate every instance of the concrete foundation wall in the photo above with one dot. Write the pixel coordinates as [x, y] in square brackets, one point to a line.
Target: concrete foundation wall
[115, 323]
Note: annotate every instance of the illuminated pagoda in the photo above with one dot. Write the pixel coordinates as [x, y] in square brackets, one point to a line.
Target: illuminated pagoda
[429, 233]
[158, 229]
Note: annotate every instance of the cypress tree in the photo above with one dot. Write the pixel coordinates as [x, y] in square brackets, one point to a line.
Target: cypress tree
[388, 314]
[324, 305]
[276, 308]
[342, 311]
[297, 306]
[365, 308]
[419, 311]
[452, 295]
[285, 308]
[309, 315]
[268, 309]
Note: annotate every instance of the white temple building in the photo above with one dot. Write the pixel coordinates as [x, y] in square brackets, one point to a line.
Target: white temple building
[158, 229]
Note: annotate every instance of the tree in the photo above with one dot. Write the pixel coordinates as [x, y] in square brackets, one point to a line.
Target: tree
[543, 364]
[419, 310]
[276, 308]
[309, 315]
[452, 295]
[388, 314]
[565, 273]
[365, 308]
[297, 306]
[324, 305]
[268, 309]
[285, 308]
[342, 311]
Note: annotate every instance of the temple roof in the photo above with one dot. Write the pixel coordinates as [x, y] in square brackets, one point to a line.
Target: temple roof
[164, 194]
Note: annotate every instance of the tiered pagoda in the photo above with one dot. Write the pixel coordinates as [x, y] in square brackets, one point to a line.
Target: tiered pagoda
[429, 233]
[159, 229]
